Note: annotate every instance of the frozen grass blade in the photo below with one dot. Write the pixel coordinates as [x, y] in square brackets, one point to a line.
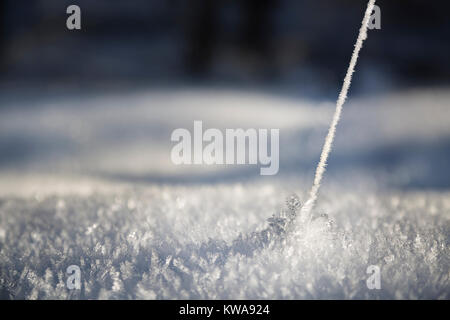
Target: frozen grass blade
[305, 213]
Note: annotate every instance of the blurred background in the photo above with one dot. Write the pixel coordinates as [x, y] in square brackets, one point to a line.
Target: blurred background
[103, 100]
[301, 43]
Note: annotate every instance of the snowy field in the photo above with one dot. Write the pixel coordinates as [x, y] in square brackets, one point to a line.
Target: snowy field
[87, 180]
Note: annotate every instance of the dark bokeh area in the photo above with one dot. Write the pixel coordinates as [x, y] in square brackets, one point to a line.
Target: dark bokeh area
[298, 43]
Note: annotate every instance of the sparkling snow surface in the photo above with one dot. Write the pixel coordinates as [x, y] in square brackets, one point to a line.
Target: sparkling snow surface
[88, 181]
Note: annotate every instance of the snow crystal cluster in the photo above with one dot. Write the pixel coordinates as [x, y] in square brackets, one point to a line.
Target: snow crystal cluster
[177, 242]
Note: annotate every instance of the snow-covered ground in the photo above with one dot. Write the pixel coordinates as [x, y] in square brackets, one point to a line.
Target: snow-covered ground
[88, 181]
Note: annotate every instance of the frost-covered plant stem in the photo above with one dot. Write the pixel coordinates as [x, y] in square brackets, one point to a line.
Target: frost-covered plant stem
[305, 213]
